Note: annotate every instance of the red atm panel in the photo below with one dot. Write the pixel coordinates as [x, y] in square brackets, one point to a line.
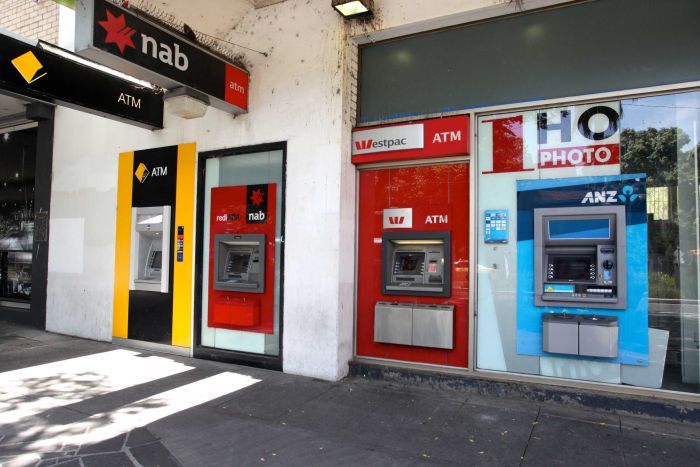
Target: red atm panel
[242, 216]
[428, 199]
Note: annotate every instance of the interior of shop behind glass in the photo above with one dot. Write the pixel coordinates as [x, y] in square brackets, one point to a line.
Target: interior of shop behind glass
[17, 164]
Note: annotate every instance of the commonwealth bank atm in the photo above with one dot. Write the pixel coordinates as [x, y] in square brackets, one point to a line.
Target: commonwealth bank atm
[150, 249]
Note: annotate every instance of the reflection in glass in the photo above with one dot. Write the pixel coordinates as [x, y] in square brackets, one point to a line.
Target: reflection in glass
[659, 137]
[17, 163]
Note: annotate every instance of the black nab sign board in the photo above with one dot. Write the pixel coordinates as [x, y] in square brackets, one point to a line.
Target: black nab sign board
[117, 38]
[39, 74]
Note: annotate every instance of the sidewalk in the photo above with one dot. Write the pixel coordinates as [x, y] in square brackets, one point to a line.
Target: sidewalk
[72, 402]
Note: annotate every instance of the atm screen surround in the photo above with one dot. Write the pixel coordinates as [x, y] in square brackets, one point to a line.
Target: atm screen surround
[580, 257]
[416, 263]
[150, 249]
[239, 262]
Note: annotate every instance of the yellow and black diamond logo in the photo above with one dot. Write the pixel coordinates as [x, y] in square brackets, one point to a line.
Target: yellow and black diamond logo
[141, 172]
[29, 67]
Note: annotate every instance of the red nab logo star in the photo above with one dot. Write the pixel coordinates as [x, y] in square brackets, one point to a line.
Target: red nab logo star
[117, 31]
[257, 197]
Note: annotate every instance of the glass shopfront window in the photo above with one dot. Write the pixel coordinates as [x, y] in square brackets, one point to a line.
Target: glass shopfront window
[556, 297]
[17, 162]
[242, 248]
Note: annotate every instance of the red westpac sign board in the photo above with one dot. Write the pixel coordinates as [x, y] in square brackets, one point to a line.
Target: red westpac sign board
[423, 139]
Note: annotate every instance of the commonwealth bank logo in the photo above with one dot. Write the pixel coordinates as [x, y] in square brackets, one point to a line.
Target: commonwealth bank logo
[141, 173]
[29, 67]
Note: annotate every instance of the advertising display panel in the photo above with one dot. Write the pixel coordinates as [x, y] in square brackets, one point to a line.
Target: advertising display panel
[588, 262]
[584, 261]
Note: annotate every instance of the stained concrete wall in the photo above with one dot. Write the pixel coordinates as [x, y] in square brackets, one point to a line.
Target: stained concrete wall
[303, 93]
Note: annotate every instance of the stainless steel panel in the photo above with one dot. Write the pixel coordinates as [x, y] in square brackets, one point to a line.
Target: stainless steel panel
[393, 322]
[598, 337]
[432, 326]
[560, 334]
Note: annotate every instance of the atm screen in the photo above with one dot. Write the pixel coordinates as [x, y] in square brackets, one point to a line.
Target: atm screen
[583, 229]
[156, 260]
[409, 263]
[237, 262]
[572, 268]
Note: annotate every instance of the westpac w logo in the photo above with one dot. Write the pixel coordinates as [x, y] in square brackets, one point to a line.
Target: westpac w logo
[401, 218]
[363, 144]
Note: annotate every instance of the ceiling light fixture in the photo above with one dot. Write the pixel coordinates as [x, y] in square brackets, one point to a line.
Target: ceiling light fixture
[351, 9]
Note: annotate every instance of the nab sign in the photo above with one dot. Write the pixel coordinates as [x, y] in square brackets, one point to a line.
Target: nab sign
[120, 39]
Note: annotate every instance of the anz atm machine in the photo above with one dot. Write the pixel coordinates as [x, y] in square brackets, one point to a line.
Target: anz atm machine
[415, 264]
[580, 263]
[150, 249]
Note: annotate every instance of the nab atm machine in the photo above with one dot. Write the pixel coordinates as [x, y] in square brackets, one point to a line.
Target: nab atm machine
[150, 249]
[242, 258]
[580, 262]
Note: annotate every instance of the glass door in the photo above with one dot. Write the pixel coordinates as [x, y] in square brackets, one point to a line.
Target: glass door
[241, 221]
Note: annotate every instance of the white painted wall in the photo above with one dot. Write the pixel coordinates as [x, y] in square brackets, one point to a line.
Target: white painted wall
[297, 95]
[302, 93]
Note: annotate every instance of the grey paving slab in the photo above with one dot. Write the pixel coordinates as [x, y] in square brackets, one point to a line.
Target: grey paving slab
[108, 445]
[212, 438]
[114, 400]
[649, 449]
[115, 459]
[560, 441]
[272, 397]
[402, 422]
[154, 454]
[140, 436]
[655, 426]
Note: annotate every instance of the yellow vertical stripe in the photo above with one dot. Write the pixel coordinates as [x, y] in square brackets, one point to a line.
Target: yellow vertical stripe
[184, 216]
[122, 250]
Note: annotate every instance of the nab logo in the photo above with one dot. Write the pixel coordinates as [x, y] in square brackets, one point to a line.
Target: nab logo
[600, 197]
[120, 34]
[29, 67]
[396, 220]
[362, 145]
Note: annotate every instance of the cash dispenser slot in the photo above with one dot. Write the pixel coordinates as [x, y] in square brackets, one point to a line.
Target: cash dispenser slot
[419, 325]
[580, 257]
[416, 263]
[584, 335]
[150, 249]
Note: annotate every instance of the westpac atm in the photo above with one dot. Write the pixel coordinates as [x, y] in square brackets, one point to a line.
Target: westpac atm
[580, 262]
[150, 249]
[417, 264]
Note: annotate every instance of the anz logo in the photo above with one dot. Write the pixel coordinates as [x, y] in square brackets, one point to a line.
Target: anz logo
[611, 196]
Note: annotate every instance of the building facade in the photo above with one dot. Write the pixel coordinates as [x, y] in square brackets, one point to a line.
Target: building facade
[481, 186]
